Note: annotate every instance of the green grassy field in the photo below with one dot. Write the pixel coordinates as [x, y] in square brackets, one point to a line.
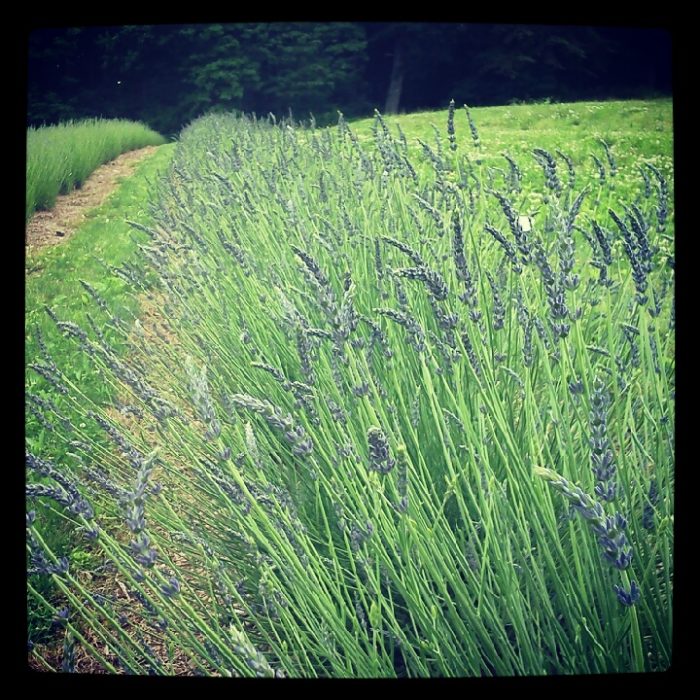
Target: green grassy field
[642, 125]
[60, 158]
[633, 129]
[401, 405]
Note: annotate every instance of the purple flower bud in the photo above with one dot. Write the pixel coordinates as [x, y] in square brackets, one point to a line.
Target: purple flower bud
[61, 567]
[141, 550]
[92, 533]
[607, 493]
[60, 619]
[379, 457]
[628, 598]
[171, 588]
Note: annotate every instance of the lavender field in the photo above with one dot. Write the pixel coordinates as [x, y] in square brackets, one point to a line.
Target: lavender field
[396, 400]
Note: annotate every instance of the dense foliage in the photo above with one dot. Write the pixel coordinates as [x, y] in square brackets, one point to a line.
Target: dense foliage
[169, 74]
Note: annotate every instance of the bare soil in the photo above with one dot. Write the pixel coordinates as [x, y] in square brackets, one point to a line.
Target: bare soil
[51, 227]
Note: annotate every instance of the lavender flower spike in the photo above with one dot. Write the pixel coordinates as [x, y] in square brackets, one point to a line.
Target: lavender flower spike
[610, 530]
[602, 458]
[379, 459]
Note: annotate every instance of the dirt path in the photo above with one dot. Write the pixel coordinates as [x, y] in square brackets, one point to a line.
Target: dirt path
[47, 228]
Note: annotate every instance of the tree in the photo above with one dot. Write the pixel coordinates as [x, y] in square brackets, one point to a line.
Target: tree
[167, 75]
[393, 95]
[412, 63]
[309, 67]
[525, 62]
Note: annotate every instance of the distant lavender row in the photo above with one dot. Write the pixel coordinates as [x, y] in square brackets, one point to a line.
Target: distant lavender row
[60, 158]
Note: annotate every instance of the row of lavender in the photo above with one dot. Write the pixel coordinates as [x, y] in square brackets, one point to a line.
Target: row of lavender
[388, 420]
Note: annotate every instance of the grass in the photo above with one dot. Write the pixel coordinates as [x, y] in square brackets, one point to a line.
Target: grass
[383, 426]
[60, 158]
[644, 125]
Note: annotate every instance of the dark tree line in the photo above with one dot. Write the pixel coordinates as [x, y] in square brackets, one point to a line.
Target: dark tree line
[167, 75]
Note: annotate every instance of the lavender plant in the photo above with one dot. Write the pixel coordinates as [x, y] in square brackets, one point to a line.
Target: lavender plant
[324, 465]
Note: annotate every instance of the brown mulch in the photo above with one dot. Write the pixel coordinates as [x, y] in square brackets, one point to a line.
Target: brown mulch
[47, 228]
